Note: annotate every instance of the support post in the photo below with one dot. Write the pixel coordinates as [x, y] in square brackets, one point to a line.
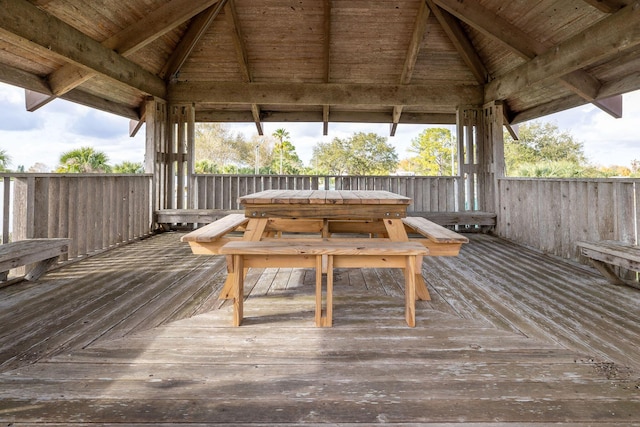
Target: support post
[480, 156]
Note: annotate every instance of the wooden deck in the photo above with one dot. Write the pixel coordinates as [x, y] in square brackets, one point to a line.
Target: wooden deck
[137, 335]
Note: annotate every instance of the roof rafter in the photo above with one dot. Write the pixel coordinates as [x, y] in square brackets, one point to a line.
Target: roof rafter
[127, 42]
[468, 53]
[461, 42]
[419, 28]
[32, 82]
[488, 23]
[194, 33]
[69, 44]
[243, 61]
[614, 34]
[326, 53]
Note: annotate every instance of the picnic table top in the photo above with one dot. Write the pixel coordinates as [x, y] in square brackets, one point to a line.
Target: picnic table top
[356, 197]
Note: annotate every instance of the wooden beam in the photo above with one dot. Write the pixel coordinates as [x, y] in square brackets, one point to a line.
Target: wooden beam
[618, 32]
[462, 43]
[191, 38]
[606, 6]
[520, 43]
[65, 42]
[325, 120]
[324, 94]
[209, 115]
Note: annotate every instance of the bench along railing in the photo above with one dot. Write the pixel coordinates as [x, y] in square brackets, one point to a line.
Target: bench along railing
[553, 214]
[214, 196]
[96, 211]
[429, 194]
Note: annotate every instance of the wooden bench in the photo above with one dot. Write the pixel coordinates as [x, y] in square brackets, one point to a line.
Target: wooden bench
[207, 240]
[315, 253]
[169, 219]
[605, 254]
[43, 252]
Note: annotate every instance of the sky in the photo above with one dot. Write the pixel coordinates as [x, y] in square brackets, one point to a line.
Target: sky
[60, 126]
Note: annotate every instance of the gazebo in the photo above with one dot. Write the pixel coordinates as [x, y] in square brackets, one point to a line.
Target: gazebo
[166, 65]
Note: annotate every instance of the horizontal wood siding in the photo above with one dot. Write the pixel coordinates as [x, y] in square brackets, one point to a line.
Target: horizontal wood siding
[429, 194]
[95, 211]
[552, 214]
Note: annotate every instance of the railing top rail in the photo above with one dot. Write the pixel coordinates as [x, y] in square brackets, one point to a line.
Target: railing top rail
[70, 175]
[621, 179]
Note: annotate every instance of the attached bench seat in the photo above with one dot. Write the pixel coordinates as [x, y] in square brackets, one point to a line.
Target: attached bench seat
[208, 239]
[439, 240]
[609, 253]
[315, 253]
[43, 252]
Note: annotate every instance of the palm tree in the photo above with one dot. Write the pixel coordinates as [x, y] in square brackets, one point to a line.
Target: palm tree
[281, 135]
[5, 160]
[128, 167]
[83, 160]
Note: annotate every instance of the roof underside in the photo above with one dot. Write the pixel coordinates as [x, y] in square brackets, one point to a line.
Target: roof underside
[394, 61]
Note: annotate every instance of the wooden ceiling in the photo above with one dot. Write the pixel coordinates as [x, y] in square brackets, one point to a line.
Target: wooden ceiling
[393, 61]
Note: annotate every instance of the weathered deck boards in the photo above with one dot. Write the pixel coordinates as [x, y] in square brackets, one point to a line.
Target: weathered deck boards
[510, 337]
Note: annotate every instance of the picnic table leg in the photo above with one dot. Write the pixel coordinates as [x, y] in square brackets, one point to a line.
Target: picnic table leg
[397, 233]
[410, 291]
[238, 290]
[327, 318]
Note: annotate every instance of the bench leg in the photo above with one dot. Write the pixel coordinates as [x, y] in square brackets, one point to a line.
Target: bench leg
[238, 289]
[422, 293]
[40, 268]
[327, 319]
[607, 272]
[410, 291]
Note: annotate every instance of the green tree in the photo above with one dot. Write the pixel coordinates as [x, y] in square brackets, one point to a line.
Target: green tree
[83, 160]
[361, 154]
[128, 167]
[285, 159]
[543, 143]
[5, 161]
[435, 150]
[214, 142]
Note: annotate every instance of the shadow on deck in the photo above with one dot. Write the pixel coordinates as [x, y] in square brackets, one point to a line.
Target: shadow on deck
[137, 335]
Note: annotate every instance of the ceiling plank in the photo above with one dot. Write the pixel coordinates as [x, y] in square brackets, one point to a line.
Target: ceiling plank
[69, 44]
[190, 39]
[324, 94]
[419, 28]
[606, 6]
[520, 43]
[462, 43]
[604, 39]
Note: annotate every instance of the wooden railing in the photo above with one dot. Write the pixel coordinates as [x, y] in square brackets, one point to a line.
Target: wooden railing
[96, 211]
[552, 214]
[429, 194]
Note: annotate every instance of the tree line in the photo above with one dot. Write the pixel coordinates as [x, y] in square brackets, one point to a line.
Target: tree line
[542, 150]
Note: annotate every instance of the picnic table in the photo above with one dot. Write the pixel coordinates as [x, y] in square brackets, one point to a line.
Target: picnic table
[293, 228]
